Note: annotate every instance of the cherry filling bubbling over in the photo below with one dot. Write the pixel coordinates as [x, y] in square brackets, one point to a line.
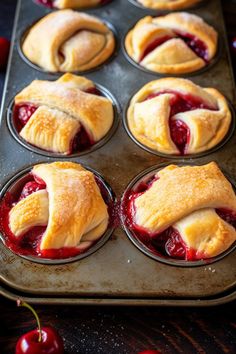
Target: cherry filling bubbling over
[82, 140]
[180, 103]
[194, 43]
[168, 243]
[29, 243]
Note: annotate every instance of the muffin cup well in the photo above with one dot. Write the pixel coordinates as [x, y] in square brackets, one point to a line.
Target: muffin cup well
[132, 235]
[14, 185]
[24, 33]
[207, 67]
[223, 142]
[116, 109]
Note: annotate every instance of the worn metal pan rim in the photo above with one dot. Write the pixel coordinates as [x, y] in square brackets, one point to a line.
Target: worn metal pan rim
[94, 147]
[48, 261]
[168, 260]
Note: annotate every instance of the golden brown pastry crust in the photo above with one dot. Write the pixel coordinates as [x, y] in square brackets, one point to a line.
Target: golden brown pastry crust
[63, 108]
[148, 120]
[29, 212]
[206, 232]
[185, 198]
[168, 4]
[67, 40]
[173, 56]
[75, 4]
[72, 206]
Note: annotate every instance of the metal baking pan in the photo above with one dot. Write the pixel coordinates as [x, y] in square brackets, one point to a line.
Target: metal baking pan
[118, 273]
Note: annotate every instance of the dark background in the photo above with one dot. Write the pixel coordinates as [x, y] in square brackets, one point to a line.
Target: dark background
[121, 330]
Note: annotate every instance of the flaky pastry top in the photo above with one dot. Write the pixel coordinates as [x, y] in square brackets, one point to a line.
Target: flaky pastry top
[66, 40]
[71, 207]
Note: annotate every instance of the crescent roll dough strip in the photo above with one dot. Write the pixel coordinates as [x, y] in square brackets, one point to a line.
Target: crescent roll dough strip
[29, 212]
[75, 205]
[180, 191]
[72, 207]
[94, 112]
[67, 40]
[51, 130]
[206, 232]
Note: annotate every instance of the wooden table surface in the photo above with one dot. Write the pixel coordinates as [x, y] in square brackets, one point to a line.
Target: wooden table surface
[121, 330]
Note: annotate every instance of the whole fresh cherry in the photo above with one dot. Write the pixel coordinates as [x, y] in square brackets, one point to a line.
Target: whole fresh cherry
[44, 340]
[4, 51]
[150, 352]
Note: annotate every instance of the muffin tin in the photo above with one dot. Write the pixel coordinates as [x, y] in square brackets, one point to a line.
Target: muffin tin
[118, 273]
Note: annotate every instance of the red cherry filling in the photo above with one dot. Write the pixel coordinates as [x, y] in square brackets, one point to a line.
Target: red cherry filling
[82, 140]
[179, 103]
[180, 134]
[30, 188]
[169, 242]
[194, 43]
[228, 216]
[103, 2]
[197, 46]
[47, 3]
[22, 114]
[29, 243]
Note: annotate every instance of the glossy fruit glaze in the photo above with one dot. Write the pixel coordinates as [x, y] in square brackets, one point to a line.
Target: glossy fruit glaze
[168, 243]
[51, 342]
[29, 243]
[50, 3]
[179, 103]
[197, 46]
[82, 140]
[194, 43]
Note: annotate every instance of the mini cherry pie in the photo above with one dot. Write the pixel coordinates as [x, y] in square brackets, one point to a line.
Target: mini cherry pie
[67, 40]
[186, 212]
[63, 116]
[59, 212]
[71, 4]
[168, 4]
[175, 116]
[173, 44]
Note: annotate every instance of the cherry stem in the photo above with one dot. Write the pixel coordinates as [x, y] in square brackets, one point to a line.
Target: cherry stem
[24, 304]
